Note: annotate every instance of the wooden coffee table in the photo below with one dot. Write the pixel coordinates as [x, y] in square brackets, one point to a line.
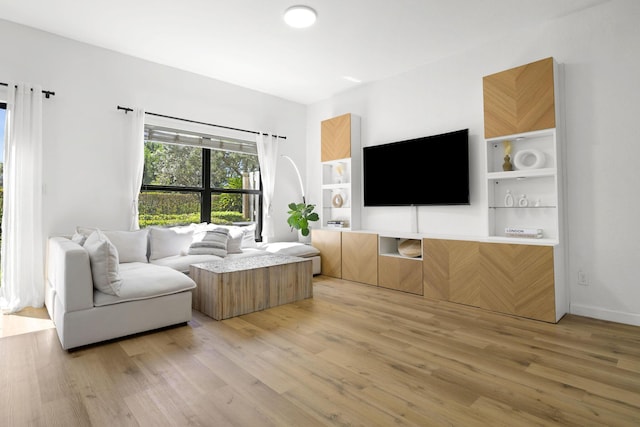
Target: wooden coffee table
[232, 287]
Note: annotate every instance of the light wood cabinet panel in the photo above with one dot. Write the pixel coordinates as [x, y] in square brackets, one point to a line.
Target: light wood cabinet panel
[495, 276]
[402, 274]
[534, 283]
[518, 279]
[506, 278]
[329, 243]
[435, 264]
[520, 99]
[360, 257]
[336, 138]
[464, 262]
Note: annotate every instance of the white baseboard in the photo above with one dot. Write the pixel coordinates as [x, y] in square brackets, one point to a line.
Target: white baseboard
[604, 314]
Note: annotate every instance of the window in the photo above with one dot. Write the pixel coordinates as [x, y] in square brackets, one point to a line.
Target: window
[191, 177]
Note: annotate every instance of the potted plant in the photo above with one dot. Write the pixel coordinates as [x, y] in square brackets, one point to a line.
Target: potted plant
[300, 214]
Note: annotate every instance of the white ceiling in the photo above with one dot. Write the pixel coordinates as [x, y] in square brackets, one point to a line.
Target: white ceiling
[245, 42]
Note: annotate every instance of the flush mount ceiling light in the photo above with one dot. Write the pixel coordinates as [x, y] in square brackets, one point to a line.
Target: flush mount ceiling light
[300, 16]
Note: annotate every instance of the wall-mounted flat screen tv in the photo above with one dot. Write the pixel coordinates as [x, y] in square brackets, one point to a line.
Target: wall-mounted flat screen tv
[432, 170]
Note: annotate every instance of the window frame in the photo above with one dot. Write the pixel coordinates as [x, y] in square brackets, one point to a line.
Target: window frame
[206, 191]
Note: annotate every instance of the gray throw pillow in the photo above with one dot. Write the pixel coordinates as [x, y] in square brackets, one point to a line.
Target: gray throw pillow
[213, 243]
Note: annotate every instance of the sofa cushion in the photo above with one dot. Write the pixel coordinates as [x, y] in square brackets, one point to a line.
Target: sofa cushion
[248, 252]
[181, 263]
[142, 281]
[131, 245]
[290, 249]
[103, 257]
[213, 243]
[166, 242]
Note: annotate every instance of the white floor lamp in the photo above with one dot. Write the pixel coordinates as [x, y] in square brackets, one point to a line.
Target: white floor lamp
[299, 177]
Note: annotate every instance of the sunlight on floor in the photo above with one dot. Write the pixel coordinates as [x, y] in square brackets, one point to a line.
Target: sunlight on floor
[28, 320]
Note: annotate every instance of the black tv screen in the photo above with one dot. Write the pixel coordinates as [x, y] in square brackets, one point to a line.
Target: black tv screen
[432, 170]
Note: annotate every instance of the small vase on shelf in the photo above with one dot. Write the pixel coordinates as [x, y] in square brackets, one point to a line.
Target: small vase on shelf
[507, 166]
[523, 202]
[508, 199]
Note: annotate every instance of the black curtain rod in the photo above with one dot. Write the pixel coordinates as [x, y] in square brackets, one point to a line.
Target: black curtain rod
[47, 93]
[127, 109]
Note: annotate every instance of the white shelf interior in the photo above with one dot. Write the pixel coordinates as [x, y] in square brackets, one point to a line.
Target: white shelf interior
[388, 246]
[539, 186]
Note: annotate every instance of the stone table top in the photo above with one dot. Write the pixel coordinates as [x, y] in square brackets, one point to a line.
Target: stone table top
[249, 263]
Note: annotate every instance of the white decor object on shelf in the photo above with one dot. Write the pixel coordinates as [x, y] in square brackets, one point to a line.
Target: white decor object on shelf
[529, 159]
[410, 248]
[523, 202]
[508, 199]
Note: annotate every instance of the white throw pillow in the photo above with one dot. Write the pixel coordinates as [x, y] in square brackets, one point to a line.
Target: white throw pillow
[103, 256]
[131, 245]
[234, 243]
[79, 238]
[165, 242]
[249, 237]
[213, 243]
[85, 231]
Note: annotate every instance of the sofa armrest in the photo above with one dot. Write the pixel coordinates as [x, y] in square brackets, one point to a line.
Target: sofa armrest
[69, 274]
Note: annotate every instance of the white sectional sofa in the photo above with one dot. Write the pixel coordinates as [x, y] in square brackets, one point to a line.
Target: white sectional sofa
[105, 285]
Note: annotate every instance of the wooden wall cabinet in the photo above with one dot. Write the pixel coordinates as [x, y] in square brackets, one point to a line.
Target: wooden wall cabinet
[520, 99]
[329, 243]
[360, 257]
[336, 136]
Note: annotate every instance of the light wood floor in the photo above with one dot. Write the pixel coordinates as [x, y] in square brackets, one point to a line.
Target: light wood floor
[28, 320]
[352, 355]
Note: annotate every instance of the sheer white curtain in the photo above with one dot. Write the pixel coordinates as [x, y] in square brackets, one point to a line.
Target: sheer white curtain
[22, 230]
[268, 158]
[136, 141]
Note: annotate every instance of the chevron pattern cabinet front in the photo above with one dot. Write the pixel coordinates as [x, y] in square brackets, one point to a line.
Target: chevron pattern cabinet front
[329, 243]
[360, 257]
[507, 278]
[520, 99]
[435, 269]
[335, 138]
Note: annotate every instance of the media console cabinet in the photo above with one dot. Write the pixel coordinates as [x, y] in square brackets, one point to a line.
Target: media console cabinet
[519, 278]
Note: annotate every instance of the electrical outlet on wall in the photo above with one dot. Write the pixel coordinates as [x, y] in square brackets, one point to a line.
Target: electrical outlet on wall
[582, 278]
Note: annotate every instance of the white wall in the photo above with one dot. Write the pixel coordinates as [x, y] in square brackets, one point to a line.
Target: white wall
[86, 173]
[599, 50]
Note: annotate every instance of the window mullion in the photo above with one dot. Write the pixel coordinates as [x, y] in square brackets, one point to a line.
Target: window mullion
[205, 210]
